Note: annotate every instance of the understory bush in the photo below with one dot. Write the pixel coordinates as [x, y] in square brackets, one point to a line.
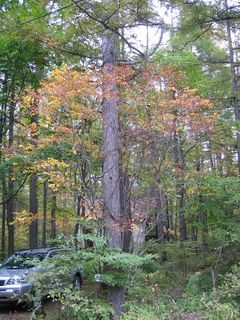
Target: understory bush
[155, 289]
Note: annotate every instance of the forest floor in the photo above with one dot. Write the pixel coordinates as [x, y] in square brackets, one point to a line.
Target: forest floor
[50, 309]
[14, 313]
[19, 313]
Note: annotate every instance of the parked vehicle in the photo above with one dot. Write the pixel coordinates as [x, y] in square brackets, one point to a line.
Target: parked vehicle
[19, 271]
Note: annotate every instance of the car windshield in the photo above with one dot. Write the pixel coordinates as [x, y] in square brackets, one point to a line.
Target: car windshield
[23, 260]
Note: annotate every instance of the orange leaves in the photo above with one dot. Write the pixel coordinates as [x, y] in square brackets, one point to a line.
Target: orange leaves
[68, 88]
[159, 103]
[117, 75]
[68, 101]
[62, 129]
[33, 128]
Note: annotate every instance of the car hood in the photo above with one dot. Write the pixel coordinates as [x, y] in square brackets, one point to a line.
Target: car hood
[9, 273]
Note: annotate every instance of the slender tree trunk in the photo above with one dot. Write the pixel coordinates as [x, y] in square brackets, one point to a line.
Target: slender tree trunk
[167, 218]
[10, 214]
[44, 223]
[10, 204]
[202, 214]
[78, 212]
[160, 220]
[53, 216]
[180, 190]
[126, 211]
[3, 245]
[181, 210]
[33, 228]
[171, 220]
[234, 81]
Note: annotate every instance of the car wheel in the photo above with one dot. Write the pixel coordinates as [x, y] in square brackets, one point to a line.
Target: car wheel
[77, 283]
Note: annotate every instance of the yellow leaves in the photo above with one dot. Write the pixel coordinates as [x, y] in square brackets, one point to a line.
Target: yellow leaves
[69, 97]
[190, 92]
[30, 102]
[26, 101]
[51, 43]
[24, 218]
[57, 181]
[49, 165]
[33, 128]
[192, 191]
[74, 151]
[27, 149]
[51, 169]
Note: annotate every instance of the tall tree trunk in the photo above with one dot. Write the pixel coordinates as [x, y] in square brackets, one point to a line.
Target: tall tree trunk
[234, 81]
[202, 213]
[167, 218]
[33, 228]
[126, 211]
[111, 156]
[53, 216]
[171, 220]
[10, 203]
[180, 189]
[181, 210]
[44, 223]
[80, 211]
[3, 245]
[159, 219]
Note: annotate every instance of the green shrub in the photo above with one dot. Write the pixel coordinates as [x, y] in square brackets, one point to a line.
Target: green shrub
[231, 284]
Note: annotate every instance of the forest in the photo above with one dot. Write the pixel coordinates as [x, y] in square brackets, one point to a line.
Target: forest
[120, 141]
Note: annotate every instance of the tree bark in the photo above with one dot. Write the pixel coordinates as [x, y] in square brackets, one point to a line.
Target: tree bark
[167, 218]
[111, 156]
[44, 223]
[33, 208]
[180, 189]
[10, 204]
[234, 81]
[202, 214]
[33, 228]
[53, 216]
[126, 211]
[160, 219]
[3, 245]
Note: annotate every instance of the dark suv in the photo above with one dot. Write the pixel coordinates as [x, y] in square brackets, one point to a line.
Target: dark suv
[17, 273]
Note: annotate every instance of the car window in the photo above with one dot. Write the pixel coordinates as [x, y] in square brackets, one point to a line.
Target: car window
[23, 261]
[52, 254]
[57, 252]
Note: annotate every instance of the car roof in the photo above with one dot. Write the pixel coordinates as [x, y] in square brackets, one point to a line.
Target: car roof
[36, 250]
